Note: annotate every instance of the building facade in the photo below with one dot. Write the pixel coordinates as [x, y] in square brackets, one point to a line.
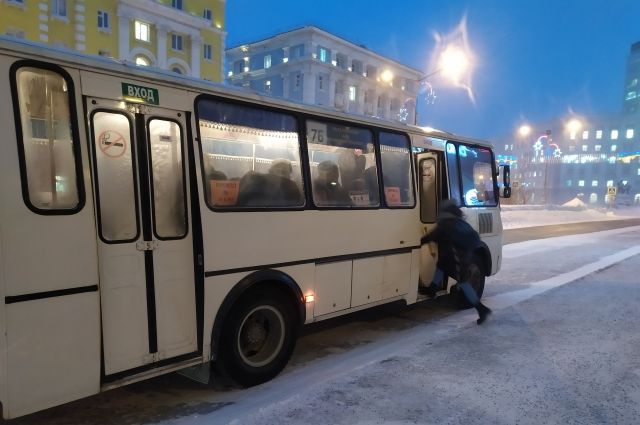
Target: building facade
[184, 36]
[594, 158]
[312, 66]
[555, 164]
[631, 103]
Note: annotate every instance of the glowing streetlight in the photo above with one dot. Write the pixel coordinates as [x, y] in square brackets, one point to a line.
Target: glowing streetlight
[453, 63]
[574, 125]
[524, 130]
[386, 76]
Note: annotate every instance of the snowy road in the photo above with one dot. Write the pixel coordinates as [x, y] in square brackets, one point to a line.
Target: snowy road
[560, 348]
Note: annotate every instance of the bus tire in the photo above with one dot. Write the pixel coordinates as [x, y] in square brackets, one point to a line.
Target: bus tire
[476, 279]
[258, 338]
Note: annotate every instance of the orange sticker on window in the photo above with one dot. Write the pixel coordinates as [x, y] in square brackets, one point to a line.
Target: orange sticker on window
[224, 193]
[392, 195]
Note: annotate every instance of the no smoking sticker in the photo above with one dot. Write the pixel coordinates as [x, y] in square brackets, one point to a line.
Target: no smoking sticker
[112, 143]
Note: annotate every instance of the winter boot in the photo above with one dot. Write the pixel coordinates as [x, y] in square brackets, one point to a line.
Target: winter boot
[483, 313]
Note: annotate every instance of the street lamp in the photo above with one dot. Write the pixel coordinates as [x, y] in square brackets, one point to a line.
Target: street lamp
[573, 126]
[454, 62]
[524, 130]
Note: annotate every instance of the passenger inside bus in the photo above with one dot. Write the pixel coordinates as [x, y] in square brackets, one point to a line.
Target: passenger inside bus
[327, 190]
[274, 189]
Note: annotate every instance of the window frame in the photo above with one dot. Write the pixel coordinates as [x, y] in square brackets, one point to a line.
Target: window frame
[75, 136]
[496, 192]
[103, 16]
[207, 48]
[134, 176]
[141, 24]
[151, 178]
[412, 170]
[177, 40]
[301, 120]
[301, 154]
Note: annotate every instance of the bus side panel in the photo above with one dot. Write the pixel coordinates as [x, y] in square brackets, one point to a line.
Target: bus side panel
[49, 274]
[3, 338]
[48, 352]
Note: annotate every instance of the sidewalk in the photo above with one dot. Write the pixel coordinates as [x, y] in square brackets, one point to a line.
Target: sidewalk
[518, 216]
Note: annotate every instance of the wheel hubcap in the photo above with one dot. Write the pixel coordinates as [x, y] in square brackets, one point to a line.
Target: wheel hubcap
[261, 336]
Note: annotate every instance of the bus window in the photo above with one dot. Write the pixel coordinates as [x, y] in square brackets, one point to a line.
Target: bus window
[115, 176]
[343, 165]
[396, 170]
[477, 176]
[251, 156]
[48, 148]
[169, 203]
[454, 175]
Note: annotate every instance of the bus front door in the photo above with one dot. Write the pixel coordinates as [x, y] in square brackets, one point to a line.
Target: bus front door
[429, 186]
[145, 248]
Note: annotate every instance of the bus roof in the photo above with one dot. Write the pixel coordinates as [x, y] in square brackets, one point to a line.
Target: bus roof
[101, 64]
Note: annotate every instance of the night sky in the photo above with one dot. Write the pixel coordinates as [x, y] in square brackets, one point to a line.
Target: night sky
[535, 60]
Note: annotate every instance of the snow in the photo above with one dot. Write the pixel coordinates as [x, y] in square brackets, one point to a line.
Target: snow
[517, 216]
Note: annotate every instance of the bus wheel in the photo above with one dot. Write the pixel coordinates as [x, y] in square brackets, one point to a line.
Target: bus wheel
[258, 338]
[476, 278]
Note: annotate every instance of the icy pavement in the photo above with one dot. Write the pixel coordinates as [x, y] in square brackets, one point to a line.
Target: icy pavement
[561, 349]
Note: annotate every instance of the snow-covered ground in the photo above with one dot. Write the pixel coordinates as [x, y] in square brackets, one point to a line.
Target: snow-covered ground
[516, 216]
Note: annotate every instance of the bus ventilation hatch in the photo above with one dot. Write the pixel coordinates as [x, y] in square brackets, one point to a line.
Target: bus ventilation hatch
[485, 223]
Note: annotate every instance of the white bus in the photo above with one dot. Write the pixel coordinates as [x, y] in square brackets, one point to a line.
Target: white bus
[151, 222]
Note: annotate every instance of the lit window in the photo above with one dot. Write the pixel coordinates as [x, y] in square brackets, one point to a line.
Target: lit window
[267, 86]
[609, 183]
[267, 61]
[614, 134]
[598, 134]
[207, 14]
[614, 148]
[142, 31]
[176, 42]
[629, 133]
[352, 93]
[585, 135]
[639, 171]
[207, 51]
[598, 148]
[569, 182]
[60, 8]
[584, 148]
[572, 135]
[323, 54]
[103, 20]
[594, 183]
[631, 95]
[176, 4]
[633, 82]
[612, 160]
[142, 61]
[581, 183]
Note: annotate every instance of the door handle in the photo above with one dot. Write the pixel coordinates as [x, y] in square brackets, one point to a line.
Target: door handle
[146, 245]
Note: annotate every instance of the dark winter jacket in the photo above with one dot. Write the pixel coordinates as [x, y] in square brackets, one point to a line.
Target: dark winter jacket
[456, 241]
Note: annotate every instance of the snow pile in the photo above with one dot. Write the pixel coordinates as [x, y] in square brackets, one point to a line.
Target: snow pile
[575, 203]
[514, 217]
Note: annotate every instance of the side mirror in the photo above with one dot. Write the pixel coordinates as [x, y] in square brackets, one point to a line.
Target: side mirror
[505, 187]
